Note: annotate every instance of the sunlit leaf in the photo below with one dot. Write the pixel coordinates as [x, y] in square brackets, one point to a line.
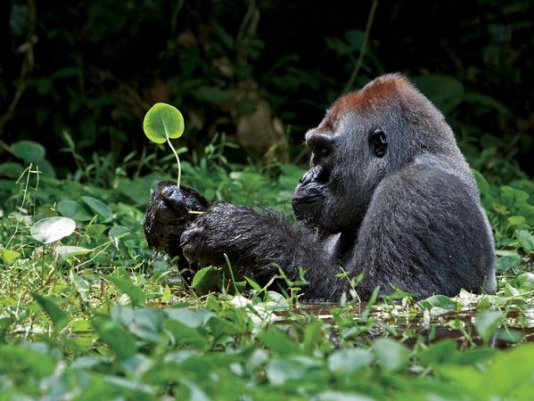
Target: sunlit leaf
[390, 354]
[295, 368]
[67, 251]
[163, 121]
[526, 239]
[349, 360]
[52, 229]
[339, 396]
[9, 256]
[191, 318]
[486, 323]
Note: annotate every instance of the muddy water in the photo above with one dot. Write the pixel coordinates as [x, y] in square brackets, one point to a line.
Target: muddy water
[409, 327]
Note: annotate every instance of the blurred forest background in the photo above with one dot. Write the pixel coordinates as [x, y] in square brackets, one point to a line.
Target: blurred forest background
[78, 76]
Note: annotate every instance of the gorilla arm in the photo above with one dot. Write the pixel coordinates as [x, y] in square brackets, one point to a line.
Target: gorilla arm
[258, 244]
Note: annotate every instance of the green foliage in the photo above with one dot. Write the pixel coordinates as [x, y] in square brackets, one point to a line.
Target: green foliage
[215, 59]
[96, 314]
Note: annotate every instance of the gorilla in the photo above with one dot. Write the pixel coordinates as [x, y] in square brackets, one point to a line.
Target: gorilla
[388, 199]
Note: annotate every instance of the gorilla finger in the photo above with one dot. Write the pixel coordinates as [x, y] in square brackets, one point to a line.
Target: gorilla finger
[172, 196]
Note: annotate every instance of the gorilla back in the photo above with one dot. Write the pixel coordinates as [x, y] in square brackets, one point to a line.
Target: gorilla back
[388, 194]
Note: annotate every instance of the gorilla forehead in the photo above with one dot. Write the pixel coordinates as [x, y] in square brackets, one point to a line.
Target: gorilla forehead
[376, 95]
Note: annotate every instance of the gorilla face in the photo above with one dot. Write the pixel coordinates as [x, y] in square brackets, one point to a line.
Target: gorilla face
[349, 158]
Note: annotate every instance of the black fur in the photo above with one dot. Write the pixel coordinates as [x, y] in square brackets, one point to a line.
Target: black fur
[388, 195]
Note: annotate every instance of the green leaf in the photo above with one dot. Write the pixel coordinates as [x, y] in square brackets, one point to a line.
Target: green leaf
[507, 260]
[516, 220]
[439, 353]
[145, 323]
[58, 317]
[349, 360]
[330, 395]
[126, 286]
[75, 210]
[526, 239]
[482, 183]
[183, 334]
[163, 121]
[99, 208]
[117, 232]
[191, 318]
[278, 341]
[11, 170]
[439, 301]
[67, 251]
[486, 323]
[52, 229]
[526, 281]
[444, 91]
[9, 255]
[24, 362]
[29, 151]
[207, 279]
[118, 340]
[295, 369]
[312, 336]
[390, 354]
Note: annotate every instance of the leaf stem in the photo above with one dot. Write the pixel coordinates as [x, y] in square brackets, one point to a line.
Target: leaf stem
[359, 63]
[177, 161]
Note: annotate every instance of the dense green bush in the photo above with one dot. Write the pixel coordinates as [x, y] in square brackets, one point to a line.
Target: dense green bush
[90, 69]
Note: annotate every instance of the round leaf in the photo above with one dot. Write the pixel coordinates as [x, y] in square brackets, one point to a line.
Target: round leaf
[52, 229]
[163, 121]
[29, 151]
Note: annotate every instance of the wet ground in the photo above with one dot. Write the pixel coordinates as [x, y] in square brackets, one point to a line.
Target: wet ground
[410, 327]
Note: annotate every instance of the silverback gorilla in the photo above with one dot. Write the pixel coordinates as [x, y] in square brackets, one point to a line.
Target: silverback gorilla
[388, 194]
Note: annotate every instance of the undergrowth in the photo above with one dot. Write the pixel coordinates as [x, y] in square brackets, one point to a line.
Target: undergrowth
[97, 315]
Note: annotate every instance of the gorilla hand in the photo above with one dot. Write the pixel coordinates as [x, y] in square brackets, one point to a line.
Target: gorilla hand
[167, 214]
[222, 229]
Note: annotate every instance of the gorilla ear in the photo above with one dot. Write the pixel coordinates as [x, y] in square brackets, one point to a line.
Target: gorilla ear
[378, 142]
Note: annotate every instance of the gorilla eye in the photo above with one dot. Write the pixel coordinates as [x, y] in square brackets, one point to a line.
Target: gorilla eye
[378, 142]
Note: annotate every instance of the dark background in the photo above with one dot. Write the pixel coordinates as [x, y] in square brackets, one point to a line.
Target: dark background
[91, 69]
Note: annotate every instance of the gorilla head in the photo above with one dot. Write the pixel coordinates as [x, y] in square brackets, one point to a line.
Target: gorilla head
[365, 137]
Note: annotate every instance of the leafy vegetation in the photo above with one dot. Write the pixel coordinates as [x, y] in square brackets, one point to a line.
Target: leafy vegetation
[88, 312]
[94, 314]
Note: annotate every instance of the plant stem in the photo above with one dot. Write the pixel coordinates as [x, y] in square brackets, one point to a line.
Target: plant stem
[359, 63]
[177, 161]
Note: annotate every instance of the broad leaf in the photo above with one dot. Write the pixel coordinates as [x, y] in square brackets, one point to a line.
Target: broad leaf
[163, 121]
[52, 229]
[58, 317]
[29, 151]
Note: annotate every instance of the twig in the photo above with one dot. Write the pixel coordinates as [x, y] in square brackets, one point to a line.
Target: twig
[26, 67]
[359, 63]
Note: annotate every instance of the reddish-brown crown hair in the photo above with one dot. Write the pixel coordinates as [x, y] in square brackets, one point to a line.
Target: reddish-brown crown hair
[375, 94]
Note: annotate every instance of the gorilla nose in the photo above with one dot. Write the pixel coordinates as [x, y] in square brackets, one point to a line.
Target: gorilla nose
[306, 178]
[309, 176]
